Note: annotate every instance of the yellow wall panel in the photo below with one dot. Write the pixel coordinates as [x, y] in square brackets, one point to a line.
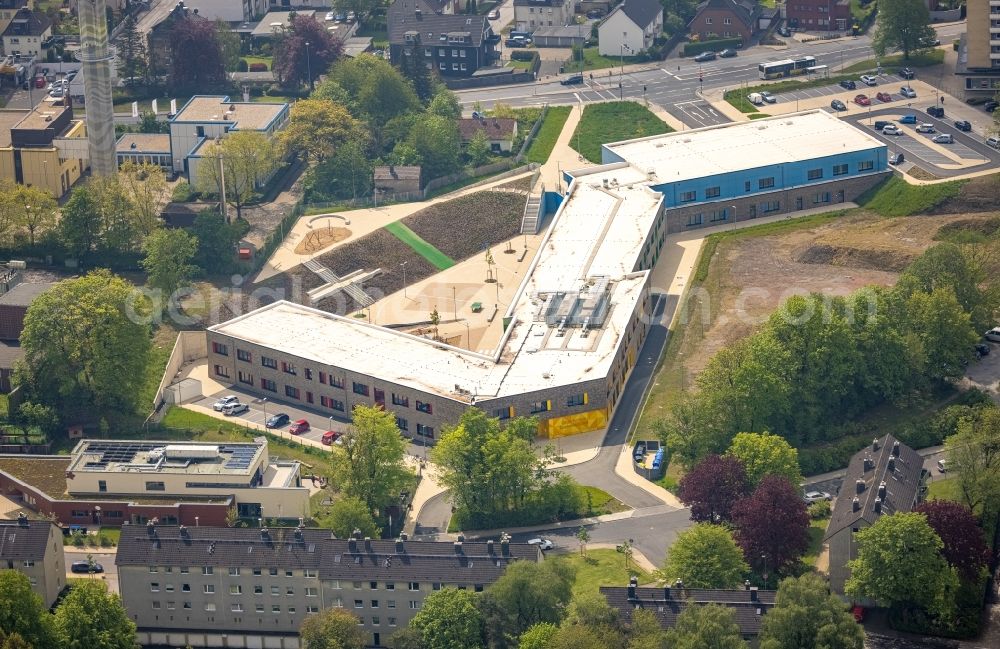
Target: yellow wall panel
[581, 422]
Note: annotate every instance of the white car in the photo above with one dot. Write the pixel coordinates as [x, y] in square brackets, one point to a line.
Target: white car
[544, 544]
[768, 97]
[944, 138]
[330, 16]
[221, 404]
[892, 129]
[815, 496]
[925, 128]
[869, 80]
[755, 98]
[908, 92]
[993, 335]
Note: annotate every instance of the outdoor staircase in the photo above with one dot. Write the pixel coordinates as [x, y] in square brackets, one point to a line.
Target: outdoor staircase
[356, 292]
[529, 222]
[325, 273]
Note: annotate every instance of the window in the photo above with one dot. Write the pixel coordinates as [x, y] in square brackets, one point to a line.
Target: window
[336, 381]
[502, 413]
[308, 374]
[258, 589]
[275, 591]
[746, 186]
[374, 603]
[391, 603]
[400, 401]
[273, 572]
[442, 66]
[337, 405]
[375, 620]
[269, 362]
[436, 586]
[312, 592]
[155, 486]
[424, 407]
[765, 183]
[312, 609]
[425, 431]
[463, 65]
[713, 192]
[442, 52]
[840, 170]
[414, 585]
[414, 605]
[391, 621]
[454, 53]
[275, 609]
[210, 606]
[209, 589]
[719, 215]
[687, 197]
[259, 608]
[291, 391]
[770, 206]
[454, 66]
[257, 572]
[207, 570]
[168, 587]
[236, 608]
[727, 21]
[154, 587]
[821, 197]
[222, 371]
[322, 377]
[402, 424]
[540, 406]
[185, 588]
[171, 606]
[234, 572]
[359, 603]
[461, 53]
[269, 385]
[244, 377]
[576, 400]
[236, 589]
[708, 21]
[291, 610]
[243, 355]
[220, 349]
[866, 165]
[310, 573]
[360, 388]
[389, 585]
[814, 174]
[156, 605]
[288, 368]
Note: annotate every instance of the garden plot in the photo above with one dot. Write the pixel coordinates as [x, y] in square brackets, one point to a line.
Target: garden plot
[467, 225]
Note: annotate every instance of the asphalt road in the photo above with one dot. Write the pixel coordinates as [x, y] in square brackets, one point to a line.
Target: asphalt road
[106, 559]
[677, 80]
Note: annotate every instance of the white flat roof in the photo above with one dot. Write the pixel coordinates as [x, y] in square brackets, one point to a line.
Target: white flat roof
[726, 148]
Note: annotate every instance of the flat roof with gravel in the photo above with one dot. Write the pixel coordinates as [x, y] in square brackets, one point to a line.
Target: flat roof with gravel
[249, 116]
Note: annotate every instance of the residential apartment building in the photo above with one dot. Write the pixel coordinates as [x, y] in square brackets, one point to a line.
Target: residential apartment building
[115, 482]
[250, 587]
[454, 45]
[881, 480]
[630, 28]
[229, 11]
[979, 49]
[44, 147]
[500, 132]
[27, 33]
[529, 15]
[726, 19]
[15, 298]
[35, 548]
[819, 15]
[8, 9]
[158, 38]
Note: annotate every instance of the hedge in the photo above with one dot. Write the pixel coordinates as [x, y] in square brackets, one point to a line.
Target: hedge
[523, 55]
[697, 47]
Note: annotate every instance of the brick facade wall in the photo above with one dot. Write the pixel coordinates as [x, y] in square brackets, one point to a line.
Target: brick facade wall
[711, 23]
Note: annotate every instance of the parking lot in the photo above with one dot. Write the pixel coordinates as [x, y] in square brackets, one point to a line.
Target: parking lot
[886, 83]
[696, 113]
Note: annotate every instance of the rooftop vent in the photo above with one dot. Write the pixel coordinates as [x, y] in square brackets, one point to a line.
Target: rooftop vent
[859, 486]
[458, 547]
[878, 505]
[891, 465]
[753, 593]
[856, 505]
[22, 519]
[895, 448]
[875, 444]
[399, 546]
[881, 490]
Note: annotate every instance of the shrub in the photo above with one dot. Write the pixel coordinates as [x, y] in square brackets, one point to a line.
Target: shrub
[242, 66]
[183, 192]
[819, 510]
[690, 49]
[258, 67]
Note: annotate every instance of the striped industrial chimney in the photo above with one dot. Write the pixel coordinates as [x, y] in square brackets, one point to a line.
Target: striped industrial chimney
[96, 58]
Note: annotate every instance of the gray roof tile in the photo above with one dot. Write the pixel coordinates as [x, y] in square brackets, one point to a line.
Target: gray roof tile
[667, 603]
[24, 541]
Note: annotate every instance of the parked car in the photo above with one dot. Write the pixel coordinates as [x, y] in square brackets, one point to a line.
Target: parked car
[298, 427]
[862, 100]
[935, 111]
[836, 104]
[906, 73]
[277, 421]
[993, 335]
[944, 138]
[330, 16]
[494, 15]
[892, 129]
[594, 13]
[925, 128]
[351, 16]
[329, 437]
[993, 141]
[942, 466]
[755, 98]
[884, 97]
[544, 544]
[768, 97]
[784, 31]
[220, 405]
[990, 106]
[896, 158]
[847, 84]
[963, 125]
[908, 92]
[869, 80]
[728, 53]
[705, 56]
[982, 349]
[880, 124]
[815, 496]
[86, 567]
[516, 42]
[908, 119]
[572, 80]
[234, 409]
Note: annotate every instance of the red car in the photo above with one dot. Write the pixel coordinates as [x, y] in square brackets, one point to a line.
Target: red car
[859, 613]
[329, 437]
[299, 427]
[883, 96]
[862, 100]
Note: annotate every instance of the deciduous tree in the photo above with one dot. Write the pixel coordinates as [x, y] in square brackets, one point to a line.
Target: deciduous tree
[705, 627]
[899, 561]
[772, 525]
[332, 628]
[438, 143]
[807, 616]
[229, 45]
[974, 458]
[943, 332]
[195, 55]
[132, 60]
[92, 618]
[351, 513]
[307, 48]
[23, 613]
[478, 149]
[217, 242]
[713, 486]
[319, 127]
[371, 460]
[538, 636]
[372, 88]
[167, 262]
[763, 454]
[36, 210]
[445, 104]
[449, 619]
[527, 594]
[145, 185]
[247, 160]
[705, 556]
[964, 546]
[904, 25]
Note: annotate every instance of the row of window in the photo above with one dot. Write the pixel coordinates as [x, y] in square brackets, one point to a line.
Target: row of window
[768, 182]
[308, 573]
[725, 21]
[454, 66]
[572, 400]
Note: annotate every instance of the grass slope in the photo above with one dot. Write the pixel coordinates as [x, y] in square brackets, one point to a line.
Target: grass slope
[612, 122]
[545, 140]
[440, 260]
[896, 197]
[601, 567]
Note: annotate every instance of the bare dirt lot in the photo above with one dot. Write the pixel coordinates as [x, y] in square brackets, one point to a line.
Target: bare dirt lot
[321, 238]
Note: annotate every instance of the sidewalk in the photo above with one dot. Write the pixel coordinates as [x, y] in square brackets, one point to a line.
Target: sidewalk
[563, 157]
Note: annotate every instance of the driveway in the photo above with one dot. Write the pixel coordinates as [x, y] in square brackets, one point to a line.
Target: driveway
[985, 373]
[103, 557]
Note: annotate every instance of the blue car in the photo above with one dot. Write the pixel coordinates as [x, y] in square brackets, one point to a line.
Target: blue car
[908, 119]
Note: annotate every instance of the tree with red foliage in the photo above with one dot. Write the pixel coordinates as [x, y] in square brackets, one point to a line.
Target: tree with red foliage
[964, 545]
[713, 486]
[296, 62]
[195, 55]
[772, 525]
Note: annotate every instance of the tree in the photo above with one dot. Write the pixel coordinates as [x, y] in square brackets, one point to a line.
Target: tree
[583, 537]
[372, 88]
[713, 486]
[305, 51]
[527, 594]
[36, 210]
[580, 637]
[438, 143]
[229, 45]
[145, 187]
[332, 628]
[705, 627]
[772, 525]
[346, 174]
[349, 514]
[807, 616]
[195, 55]
[763, 454]
[407, 638]
[964, 546]
[419, 75]
[86, 345]
[319, 127]
[132, 60]
[371, 459]
[449, 619]
[538, 636]
[941, 329]
[705, 556]
[974, 458]
[479, 149]
[92, 618]
[445, 104]
[645, 631]
[217, 242]
[168, 253]
[13, 641]
[23, 612]
[903, 25]
[247, 160]
[946, 265]
[899, 562]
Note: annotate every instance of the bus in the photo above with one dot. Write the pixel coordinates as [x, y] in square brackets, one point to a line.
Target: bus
[786, 68]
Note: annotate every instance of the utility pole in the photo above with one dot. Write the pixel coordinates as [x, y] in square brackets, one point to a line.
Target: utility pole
[309, 67]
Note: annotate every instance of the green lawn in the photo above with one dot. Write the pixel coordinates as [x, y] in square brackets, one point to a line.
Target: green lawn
[601, 502]
[922, 60]
[613, 122]
[545, 140]
[944, 489]
[4, 407]
[437, 258]
[896, 197]
[593, 60]
[817, 529]
[266, 60]
[601, 567]
[163, 344]
[519, 65]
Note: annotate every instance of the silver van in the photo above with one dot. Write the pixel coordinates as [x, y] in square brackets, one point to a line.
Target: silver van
[993, 141]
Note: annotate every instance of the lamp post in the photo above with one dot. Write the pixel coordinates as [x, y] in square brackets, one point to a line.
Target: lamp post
[621, 74]
[403, 265]
[263, 403]
[309, 67]
[734, 216]
[468, 336]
